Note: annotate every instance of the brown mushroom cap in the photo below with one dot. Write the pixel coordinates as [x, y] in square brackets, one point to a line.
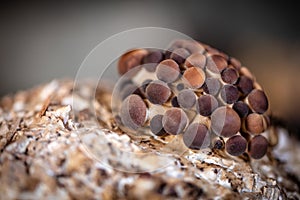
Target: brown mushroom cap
[130, 60]
[258, 101]
[174, 121]
[133, 112]
[156, 126]
[186, 98]
[245, 84]
[195, 60]
[236, 145]
[235, 63]
[211, 86]
[225, 121]
[196, 136]
[241, 108]
[229, 94]
[255, 123]
[216, 63]
[206, 104]
[167, 71]
[158, 92]
[194, 77]
[258, 147]
[152, 58]
[230, 75]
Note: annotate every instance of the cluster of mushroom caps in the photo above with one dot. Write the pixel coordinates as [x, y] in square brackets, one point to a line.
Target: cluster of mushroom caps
[197, 91]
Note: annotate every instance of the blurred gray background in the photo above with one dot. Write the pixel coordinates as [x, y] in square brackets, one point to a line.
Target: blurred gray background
[45, 40]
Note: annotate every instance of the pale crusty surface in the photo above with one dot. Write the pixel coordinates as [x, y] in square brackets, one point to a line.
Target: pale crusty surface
[61, 142]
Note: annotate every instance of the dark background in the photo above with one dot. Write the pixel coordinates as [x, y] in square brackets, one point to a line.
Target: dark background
[41, 41]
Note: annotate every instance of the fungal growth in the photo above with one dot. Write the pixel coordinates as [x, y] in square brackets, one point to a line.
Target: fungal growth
[236, 145]
[196, 91]
[133, 112]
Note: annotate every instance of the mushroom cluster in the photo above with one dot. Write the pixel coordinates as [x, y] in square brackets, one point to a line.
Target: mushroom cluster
[197, 91]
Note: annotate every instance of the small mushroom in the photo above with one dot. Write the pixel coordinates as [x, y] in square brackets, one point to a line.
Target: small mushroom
[241, 108]
[255, 123]
[230, 75]
[195, 60]
[229, 94]
[156, 126]
[194, 77]
[225, 121]
[236, 145]
[186, 98]
[130, 60]
[258, 101]
[174, 121]
[235, 63]
[158, 92]
[211, 86]
[245, 85]
[216, 63]
[196, 136]
[152, 59]
[133, 112]
[206, 104]
[258, 147]
[167, 71]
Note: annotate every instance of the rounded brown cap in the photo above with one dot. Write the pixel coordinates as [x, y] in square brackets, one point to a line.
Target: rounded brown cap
[258, 147]
[174, 121]
[236, 145]
[211, 86]
[230, 75]
[229, 94]
[196, 136]
[167, 71]
[216, 63]
[186, 98]
[130, 60]
[245, 84]
[258, 101]
[152, 58]
[241, 108]
[158, 92]
[235, 63]
[255, 123]
[206, 104]
[244, 71]
[133, 112]
[156, 126]
[225, 121]
[195, 60]
[194, 77]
